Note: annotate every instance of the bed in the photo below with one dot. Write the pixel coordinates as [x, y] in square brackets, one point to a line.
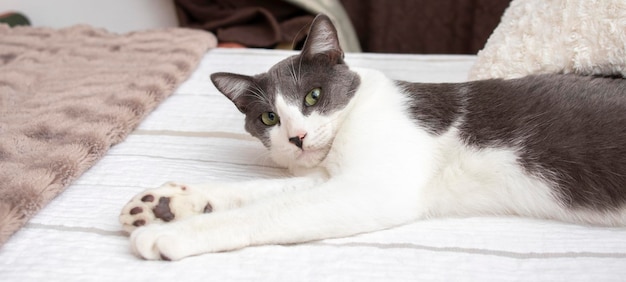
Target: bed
[197, 135]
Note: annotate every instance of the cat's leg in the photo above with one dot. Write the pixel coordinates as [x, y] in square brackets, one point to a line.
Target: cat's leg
[175, 201]
[334, 209]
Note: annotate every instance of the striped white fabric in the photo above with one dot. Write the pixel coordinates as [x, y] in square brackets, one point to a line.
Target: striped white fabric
[198, 135]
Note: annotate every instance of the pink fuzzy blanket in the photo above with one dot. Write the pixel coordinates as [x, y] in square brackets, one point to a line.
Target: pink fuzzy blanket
[68, 95]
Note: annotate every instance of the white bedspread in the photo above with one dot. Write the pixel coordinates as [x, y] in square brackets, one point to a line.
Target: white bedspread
[198, 135]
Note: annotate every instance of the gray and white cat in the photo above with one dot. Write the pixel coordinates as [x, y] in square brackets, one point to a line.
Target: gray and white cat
[369, 153]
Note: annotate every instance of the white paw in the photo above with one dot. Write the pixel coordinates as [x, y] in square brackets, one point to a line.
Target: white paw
[195, 235]
[160, 242]
[169, 202]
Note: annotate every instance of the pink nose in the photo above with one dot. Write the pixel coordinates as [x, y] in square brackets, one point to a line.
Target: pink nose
[297, 140]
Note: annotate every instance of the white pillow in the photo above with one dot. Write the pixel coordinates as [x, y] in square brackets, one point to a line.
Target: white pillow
[586, 37]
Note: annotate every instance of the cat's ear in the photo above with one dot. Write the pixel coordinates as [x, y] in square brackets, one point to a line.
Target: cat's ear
[234, 86]
[322, 40]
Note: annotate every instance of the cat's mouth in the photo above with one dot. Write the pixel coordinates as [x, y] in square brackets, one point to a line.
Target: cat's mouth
[312, 155]
[308, 152]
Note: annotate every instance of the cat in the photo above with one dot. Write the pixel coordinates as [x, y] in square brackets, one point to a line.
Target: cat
[369, 153]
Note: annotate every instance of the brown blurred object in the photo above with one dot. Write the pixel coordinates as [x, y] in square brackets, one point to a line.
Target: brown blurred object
[424, 26]
[250, 23]
[14, 19]
[230, 45]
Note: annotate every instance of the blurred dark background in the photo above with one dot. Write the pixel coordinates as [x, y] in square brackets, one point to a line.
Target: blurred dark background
[396, 26]
[423, 26]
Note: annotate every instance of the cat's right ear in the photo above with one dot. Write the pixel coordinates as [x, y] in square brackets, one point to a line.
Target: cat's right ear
[323, 40]
[234, 86]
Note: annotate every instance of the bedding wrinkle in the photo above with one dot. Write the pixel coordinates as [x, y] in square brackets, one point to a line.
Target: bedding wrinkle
[213, 134]
[163, 158]
[476, 251]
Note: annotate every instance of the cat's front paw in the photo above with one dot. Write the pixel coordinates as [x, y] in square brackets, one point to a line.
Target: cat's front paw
[205, 233]
[159, 242]
[169, 202]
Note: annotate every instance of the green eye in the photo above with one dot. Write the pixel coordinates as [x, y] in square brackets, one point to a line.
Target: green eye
[313, 97]
[269, 118]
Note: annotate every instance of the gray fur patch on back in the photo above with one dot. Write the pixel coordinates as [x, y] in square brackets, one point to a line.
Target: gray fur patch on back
[570, 130]
[435, 106]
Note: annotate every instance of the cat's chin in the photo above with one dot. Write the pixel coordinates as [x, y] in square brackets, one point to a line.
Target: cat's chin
[312, 155]
[307, 158]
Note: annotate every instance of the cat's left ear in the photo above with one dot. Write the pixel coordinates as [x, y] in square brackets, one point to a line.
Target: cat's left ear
[235, 87]
[323, 40]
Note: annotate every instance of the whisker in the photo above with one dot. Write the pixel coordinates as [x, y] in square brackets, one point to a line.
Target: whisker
[351, 91]
[293, 42]
[260, 91]
[259, 95]
[300, 66]
[293, 73]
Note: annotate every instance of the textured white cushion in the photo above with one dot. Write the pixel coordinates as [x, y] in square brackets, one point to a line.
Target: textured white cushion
[557, 36]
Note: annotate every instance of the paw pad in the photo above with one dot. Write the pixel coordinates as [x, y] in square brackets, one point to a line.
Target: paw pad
[162, 210]
[147, 199]
[169, 202]
[136, 210]
[208, 208]
[139, 222]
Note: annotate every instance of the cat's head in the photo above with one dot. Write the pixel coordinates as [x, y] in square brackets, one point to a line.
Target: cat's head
[296, 107]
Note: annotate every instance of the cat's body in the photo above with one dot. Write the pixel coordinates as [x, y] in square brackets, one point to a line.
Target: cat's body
[549, 146]
[369, 153]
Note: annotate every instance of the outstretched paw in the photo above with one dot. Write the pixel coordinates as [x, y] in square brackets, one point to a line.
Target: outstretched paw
[169, 202]
[205, 233]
